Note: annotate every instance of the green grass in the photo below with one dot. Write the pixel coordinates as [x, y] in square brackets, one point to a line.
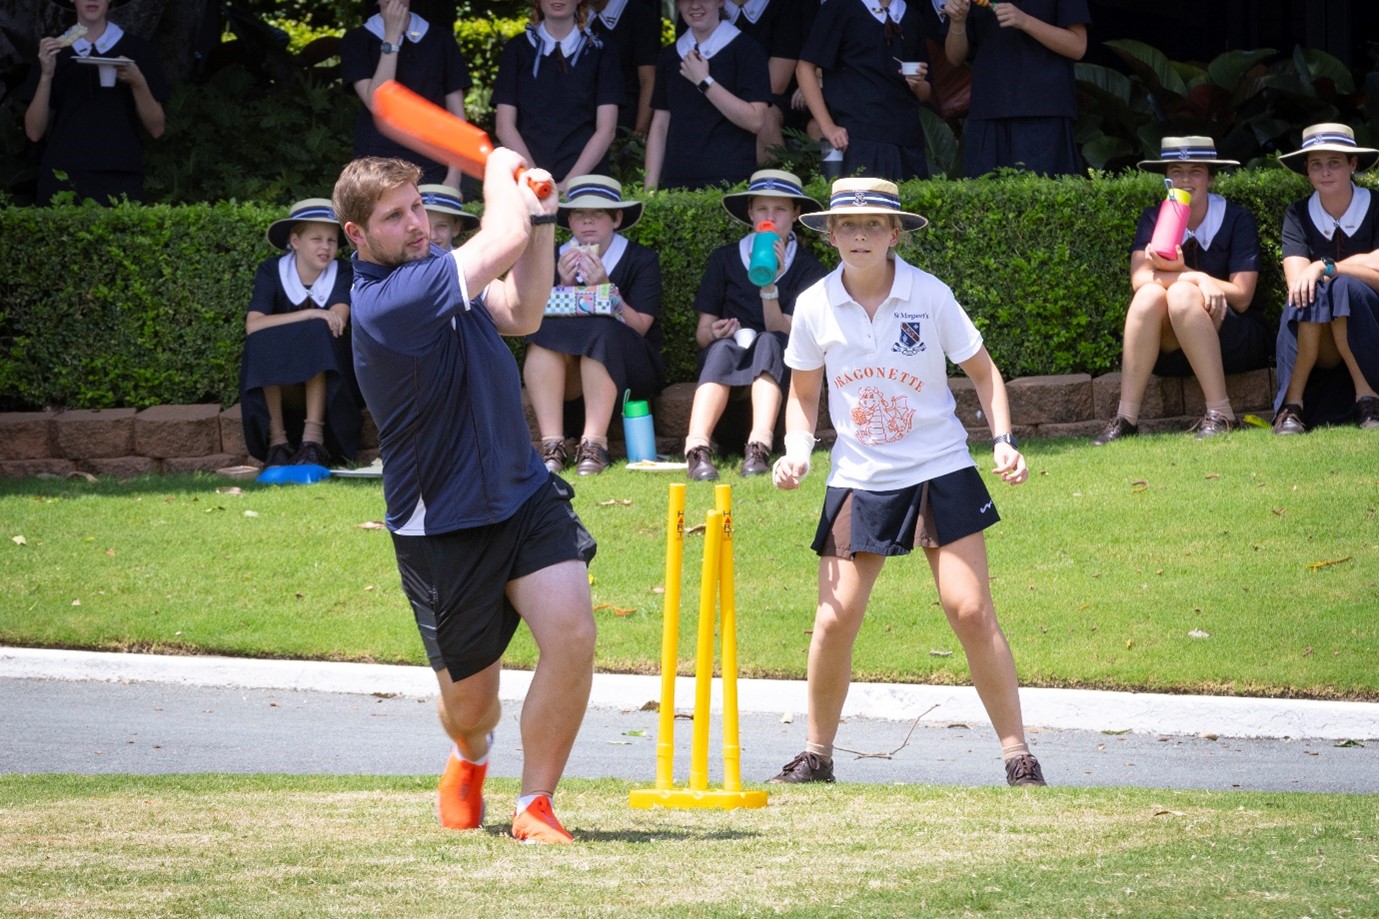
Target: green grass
[215, 845]
[1104, 566]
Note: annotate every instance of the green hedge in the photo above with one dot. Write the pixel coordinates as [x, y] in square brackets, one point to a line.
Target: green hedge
[139, 306]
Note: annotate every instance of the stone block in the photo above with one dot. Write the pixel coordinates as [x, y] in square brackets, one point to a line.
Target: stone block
[177, 430]
[232, 431]
[83, 434]
[26, 435]
[122, 467]
[1163, 396]
[1252, 391]
[208, 463]
[1050, 399]
[24, 468]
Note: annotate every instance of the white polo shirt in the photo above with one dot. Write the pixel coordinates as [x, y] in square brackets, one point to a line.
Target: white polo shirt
[887, 377]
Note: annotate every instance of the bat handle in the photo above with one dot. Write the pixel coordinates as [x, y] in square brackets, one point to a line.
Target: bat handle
[542, 188]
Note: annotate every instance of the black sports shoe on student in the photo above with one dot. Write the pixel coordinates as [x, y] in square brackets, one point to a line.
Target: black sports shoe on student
[807, 767]
[311, 453]
[279, 455]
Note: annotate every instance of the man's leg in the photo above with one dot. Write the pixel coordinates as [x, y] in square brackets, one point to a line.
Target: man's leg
[469, 710]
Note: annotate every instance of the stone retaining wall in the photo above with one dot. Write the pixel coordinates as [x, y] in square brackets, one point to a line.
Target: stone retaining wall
[123, 442]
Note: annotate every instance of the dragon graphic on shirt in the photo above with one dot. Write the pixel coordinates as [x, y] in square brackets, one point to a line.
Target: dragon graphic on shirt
[880, 420]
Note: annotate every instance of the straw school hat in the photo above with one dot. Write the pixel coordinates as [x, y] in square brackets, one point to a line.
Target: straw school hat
[1175, 150]
[864, 196]
[444, 199]
[1338, 138]
[597, 193]
[768, 183]
[314, 210]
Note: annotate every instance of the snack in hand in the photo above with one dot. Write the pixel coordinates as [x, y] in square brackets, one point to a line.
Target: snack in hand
[66, 39]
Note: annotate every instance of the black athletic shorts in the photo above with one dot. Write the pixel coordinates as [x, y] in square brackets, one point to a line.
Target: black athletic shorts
[932, 514]
[457, 582]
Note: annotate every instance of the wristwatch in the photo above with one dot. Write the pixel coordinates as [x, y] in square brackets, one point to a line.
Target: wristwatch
[540, 220]
[1005, 439]
[1328, 268]
[705, 83]
[389, 48]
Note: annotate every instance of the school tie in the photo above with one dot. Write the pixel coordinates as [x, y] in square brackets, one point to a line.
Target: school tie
[559, 55]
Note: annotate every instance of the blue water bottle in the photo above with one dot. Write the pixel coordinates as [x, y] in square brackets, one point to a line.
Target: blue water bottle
[762, 266]
[638, 430]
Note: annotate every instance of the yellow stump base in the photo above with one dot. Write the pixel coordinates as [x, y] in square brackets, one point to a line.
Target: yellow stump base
[688, 799]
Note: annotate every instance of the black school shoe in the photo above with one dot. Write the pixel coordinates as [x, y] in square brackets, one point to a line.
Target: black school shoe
[279, 455]
[807, 767]
[1289, 420]
[1367, 412]
[311, 453]
[1024, 770]
[1117, 428]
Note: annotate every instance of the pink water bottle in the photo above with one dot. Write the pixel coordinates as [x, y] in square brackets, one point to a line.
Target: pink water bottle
[1172, 223]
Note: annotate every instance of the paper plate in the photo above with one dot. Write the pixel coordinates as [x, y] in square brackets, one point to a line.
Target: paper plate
[657, 466]
[372, 471]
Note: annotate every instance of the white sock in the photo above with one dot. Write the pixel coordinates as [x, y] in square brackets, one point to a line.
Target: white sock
[1014, 750]
[1222, 408]
[1130, 411]
[525, 801]
[765, 438]
[823, 751]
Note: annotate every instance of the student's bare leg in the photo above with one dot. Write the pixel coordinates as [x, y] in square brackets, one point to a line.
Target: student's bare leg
[469, 709]
[844, 588]
[710, 401]
[1339, 330]
[1311, 343]
[766, 401]
[1145, 324]
[961, 574]
[554, 602]
[277, 429]
[600, 397]
[1196, 334]
[544, 372]
[315, 397]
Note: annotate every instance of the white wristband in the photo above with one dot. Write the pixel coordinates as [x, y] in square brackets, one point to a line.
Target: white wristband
[798, 446]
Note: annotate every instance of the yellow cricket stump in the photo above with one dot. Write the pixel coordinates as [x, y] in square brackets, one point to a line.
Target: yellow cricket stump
[716, 582]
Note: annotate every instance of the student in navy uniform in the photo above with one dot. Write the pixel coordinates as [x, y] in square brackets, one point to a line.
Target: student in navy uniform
[485, 537]
[1192, 314]
[557, 92]
[397, 44]
[865, 107]
[712, 88]
[91, 114]
[743, 328]
[633, 27]
[445, 213]
[1328, 336]
[297, 340]
[1024, 94]
[596, 357]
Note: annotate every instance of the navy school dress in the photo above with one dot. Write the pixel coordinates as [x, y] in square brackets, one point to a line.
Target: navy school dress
[290, 354]
[632, 360]
[1024, 96]
[704, 148]
[1244, 337]
[1329, 397]
[778, 26]
[557, 98]
[633, 28]
[863, 88]
[725, 292]
[433, 67]
[94, 132]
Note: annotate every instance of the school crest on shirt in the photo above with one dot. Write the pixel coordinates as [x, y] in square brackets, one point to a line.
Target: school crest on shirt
[880, 420]
[911, 342]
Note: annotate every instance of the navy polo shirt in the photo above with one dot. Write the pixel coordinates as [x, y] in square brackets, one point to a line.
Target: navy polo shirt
[445, 393]
[863, 88]
[1013, 76]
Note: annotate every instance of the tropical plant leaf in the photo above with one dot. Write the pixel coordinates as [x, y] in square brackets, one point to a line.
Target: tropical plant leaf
[1227, 70]
[1105, 149]
[1317, 65]
[1106, 80]
[1150, 64]
[940, 144]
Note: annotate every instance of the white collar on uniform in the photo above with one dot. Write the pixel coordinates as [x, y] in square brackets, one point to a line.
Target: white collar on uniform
[617, 248]
[723, 33]
[109, 37]
[416, 27]
[752, 9]
[901, 284]
[744, 249]
[612, 12]
[545, 44]
[296, 291]
[897, 9]
[1348, 222]
[1206, 231]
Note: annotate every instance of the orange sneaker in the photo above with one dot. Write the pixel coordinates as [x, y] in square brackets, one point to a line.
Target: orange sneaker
[537, 824]
[460, 797]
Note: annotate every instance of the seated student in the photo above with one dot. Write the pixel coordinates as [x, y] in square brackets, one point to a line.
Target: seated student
[743, 328]
[866, 107]
[1328, 336]
[1192, 314]
[397, 44]
[449, 221]
[297, 327]
[598, 357]
[709, 102]
[557, 92]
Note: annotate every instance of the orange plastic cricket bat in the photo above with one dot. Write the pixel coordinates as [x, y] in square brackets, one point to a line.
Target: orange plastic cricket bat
[430, 130]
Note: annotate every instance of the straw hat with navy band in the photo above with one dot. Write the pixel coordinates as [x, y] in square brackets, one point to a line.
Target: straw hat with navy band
[445, 199]
[864, 197]
[1174, 151]
[597, 193]
[1334, 138]
[308, 210]
[768, 183]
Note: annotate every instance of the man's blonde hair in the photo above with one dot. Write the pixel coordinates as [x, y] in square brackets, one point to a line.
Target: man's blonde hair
[364, 181]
